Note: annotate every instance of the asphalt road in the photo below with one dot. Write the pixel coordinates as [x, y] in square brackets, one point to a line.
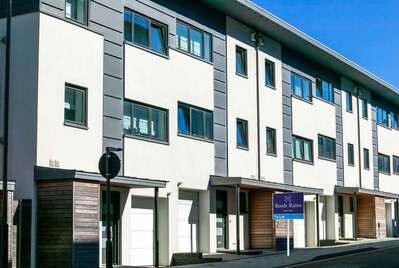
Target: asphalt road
[382, 258]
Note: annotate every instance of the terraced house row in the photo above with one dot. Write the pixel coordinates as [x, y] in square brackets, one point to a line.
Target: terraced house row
[216, 105]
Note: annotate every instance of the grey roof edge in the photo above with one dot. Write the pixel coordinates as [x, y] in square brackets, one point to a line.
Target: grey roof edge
[341, 189]
[47, 174]
[309, 40]
[231, 181]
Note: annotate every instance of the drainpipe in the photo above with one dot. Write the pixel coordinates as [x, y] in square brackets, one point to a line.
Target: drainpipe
[257, 40]
[357, 93]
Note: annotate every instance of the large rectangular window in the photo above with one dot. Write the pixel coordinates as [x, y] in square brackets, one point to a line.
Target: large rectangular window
[365, 113]
[271, 141]
[241, 61]
[351, 155]
[325, 90]
[145, 32]
[242, 133]
[366, 158]
[394, 120]
[301, 87]
[145, 121]
[395, 161]
[75, 105]
[382, 117]
[269, 74]
[76, 10]
[384, 164]
[326, 147]
[196, 122]
[194, 41]
[348, 96]
[302, 149]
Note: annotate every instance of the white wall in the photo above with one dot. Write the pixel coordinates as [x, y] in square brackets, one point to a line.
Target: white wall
[69, 54]
[388, 145]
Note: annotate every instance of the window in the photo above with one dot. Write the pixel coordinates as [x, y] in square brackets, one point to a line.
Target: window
[349, 107]
[382, 117]
[194, 41]
[301, 87]
[243, 203]
[242, 133]
[351, 155]
[365, 112]
[324, 90]
[395, 160]
[76, 10]
[366, 158]
[241, 61]
[394, 120]
[145, 32]
[145, 121]
[269, 74]
[326, 147]
[271, 141]
[195, 121]
[384, 164]
[351, 204]
[302, 149]
[75, 105]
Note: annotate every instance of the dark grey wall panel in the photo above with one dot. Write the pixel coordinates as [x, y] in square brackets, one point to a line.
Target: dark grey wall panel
[112, 106]
[339, 137]
[111, 86]
[287, 125]
[113, 49]
[52, 10]
[56, 4]
[375, 146]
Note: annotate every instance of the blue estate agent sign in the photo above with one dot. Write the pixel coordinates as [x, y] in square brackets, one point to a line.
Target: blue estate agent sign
[288, 206]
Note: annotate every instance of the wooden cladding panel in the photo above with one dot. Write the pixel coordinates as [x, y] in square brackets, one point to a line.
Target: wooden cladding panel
[260, 220]
[380, 217]
[371, 222]
[54, 231]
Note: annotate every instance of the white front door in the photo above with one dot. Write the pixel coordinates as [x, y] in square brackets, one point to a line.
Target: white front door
[188, 221]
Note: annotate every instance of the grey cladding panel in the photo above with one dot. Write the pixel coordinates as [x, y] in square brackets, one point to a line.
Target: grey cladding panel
[220, 100]
[56, 4]
[219, 116]
[109, 34]
[220, 86]
[52, 10]
[219, 133]
[220, 76]
[113, 4]
[113, 49]
[112, 128]
[113, 66]
[220, 166]
[375, 146]
[106, 16]
[112, 86]
[113, 107]
[219, 46]
[339, 137]
[220, 149]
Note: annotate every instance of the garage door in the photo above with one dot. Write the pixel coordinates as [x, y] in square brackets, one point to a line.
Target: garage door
[141, 232]
[188, 221]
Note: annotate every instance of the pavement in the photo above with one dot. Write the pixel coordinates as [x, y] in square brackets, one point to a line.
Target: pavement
[364, 253]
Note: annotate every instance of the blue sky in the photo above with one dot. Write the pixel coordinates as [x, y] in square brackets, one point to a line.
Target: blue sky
[364, 31]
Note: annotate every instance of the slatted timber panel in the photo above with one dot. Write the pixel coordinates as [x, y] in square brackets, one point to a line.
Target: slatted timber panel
[260, 220]
[380, 218]
[54, 231]
[86, 216]
[366, 216]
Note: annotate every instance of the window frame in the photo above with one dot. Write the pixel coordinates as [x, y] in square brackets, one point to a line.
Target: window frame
[246, 130]
[293, 75]
[392, 119]
[394, 159]
[150, 108]
[203, 33]
[245, 62]
[367, 167]
[191, 134]
[303, 140]
[273, 71]
[351, 154]
[365, 111]
[319, 81]
[389, 164]
[86, 20]
[387, 125]
[83, 124]
[274, 131]
[321, 150]
[151, 22]
[348, 102]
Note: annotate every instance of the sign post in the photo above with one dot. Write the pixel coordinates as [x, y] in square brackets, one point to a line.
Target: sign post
[109, 166]
[288, 206]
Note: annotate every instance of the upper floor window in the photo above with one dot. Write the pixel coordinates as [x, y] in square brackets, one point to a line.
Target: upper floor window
[366, 158]
[195, 121]
[75, 105]
[271, 141]
[269, 74]
[145, 121]
[302, 149]
[194, 41]
[382, 117]
[365, 112]
[301, 87]
[384, 164]
[242, 133]
[326, 147]
[76, 10]
[351, 155]
[325, 90]
[241, 61]
[145, 32]
[349, 107]
[395, 161]
[394, 120]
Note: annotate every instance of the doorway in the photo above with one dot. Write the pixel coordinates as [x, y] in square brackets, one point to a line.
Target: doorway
[221, 219]
[341, 216]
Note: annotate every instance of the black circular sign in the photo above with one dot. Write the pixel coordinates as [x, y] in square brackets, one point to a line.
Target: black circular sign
[114, 165]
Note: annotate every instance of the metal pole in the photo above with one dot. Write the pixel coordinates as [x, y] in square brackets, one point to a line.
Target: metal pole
[317, 222]
[288, 238]
[355, 214]
[4, 247]
[396, 217]
[238, 218]
[258, 106]
[109, 242]
[156, 231]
